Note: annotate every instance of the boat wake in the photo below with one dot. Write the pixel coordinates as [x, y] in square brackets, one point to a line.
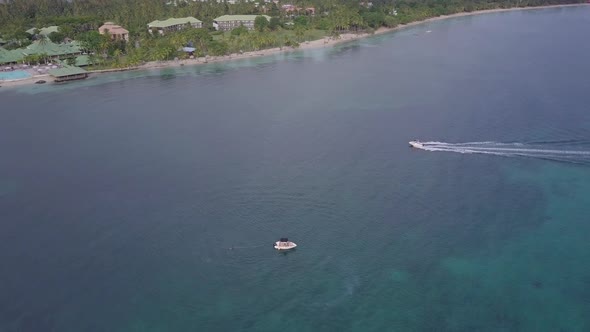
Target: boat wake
[540, 150]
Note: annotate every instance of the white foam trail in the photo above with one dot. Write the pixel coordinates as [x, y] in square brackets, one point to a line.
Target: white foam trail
[508, 150]
[517, 150]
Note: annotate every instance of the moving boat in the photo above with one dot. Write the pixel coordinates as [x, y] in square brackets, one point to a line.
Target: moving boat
[284, 244]
[416, 144]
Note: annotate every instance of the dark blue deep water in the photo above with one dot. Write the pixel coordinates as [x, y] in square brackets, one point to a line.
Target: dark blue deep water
[120, 196]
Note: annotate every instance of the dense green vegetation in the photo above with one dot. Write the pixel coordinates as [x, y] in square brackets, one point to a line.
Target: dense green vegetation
[80, 19]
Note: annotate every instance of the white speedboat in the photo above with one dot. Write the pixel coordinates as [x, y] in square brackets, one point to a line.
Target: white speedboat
[284, 244]
[416, 144]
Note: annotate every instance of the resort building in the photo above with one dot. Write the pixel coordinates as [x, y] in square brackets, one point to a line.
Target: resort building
[51, 50]
[43, 31]
[68, 73]
[10, 56]
[116, 31]
[174, 24]
[82, 61]
[289, 8]
[44, 48]
[229, 22]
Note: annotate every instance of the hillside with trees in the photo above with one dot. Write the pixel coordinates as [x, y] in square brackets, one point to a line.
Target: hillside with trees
[79, 20]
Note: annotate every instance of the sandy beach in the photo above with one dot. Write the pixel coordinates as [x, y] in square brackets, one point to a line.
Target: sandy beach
[314, 44]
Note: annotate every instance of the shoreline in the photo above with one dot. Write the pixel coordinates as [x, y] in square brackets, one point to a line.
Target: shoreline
[326, 42]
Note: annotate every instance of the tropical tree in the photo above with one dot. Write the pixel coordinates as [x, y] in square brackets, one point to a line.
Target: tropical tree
[43, 42]
[200, 38]
[218, 48]
[274, 10]
[44, 57]
[178, 40]
[134, 57]
[301, 21]
[390, 22]
[56, 37]
[105, 43]
[260, 23]
[67, 30]
[299, 33]
[241, 30]
[374, 19]
[32, 59]
[71, 61]
[92, 59]
[91, 41]
[274, 23]
[117, 55]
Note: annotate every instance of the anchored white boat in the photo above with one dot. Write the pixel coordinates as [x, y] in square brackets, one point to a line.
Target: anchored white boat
[284, 244]
[416, 144]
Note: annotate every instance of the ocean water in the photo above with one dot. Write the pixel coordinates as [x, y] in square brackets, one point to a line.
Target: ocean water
[121, 197]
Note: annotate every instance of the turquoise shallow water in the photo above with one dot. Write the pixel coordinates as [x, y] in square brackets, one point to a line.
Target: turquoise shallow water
[121, 196]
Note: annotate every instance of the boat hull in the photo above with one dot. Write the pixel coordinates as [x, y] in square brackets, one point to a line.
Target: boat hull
[415, 144]
[284, 246]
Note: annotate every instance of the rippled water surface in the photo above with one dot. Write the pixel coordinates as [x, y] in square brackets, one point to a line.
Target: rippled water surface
[121, 196]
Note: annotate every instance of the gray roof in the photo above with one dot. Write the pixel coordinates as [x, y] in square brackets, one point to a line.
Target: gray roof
[241, 18]
[37, 47]
[66, 71]
[10, 56]
[44, 31]
[83, 60]
[173, 21]
[50, 48]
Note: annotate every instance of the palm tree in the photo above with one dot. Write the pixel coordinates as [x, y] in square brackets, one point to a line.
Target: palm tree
[179, 40]
[117, 55]
[43, 44]
[92, 59]
[104, 44]
[299, 33]
[45, 57]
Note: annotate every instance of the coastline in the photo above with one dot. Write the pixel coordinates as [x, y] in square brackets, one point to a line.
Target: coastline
[314, 44]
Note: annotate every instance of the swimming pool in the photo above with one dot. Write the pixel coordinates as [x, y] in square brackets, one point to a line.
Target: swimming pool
[14, 75]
